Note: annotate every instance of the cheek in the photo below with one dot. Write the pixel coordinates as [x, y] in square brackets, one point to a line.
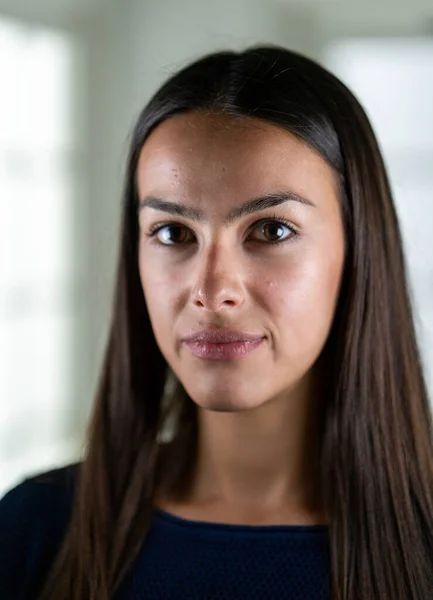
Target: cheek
[302, 301]
[158, 290]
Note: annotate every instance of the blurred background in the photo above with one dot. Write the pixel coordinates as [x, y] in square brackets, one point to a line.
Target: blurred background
[73, 76]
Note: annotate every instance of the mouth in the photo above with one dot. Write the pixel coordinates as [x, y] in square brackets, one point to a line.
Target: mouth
[222, 344]
[222, 336]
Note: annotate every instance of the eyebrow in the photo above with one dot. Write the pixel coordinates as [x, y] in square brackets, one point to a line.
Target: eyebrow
[250, 207]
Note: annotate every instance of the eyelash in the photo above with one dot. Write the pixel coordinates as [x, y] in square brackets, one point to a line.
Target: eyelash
[270, 219]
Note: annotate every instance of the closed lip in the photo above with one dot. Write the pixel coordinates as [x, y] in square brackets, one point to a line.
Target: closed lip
[222, 336]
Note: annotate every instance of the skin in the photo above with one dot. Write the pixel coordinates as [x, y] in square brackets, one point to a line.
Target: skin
[257, 415]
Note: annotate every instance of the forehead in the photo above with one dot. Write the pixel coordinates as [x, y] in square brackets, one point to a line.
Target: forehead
[204, 155]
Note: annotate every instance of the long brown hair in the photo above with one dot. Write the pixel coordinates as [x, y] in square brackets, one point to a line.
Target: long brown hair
[376, 439]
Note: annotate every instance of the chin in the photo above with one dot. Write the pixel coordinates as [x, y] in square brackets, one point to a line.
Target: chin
[224, 394]
[224, 405]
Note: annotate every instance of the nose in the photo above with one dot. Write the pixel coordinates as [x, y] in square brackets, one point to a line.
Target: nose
[218, 281]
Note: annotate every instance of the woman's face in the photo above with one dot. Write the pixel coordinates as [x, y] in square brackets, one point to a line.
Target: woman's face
[203, 270]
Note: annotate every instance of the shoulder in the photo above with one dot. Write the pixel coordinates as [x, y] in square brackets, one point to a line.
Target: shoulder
[42, 495]
[33, 517]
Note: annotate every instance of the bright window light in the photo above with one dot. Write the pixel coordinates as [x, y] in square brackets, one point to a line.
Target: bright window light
[37, 316]
[393, 79]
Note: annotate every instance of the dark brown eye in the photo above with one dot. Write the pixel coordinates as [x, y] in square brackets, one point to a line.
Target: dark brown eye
[274, 231]
[172, 234]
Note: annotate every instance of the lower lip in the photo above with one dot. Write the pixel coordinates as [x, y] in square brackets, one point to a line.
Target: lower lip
[228, 351]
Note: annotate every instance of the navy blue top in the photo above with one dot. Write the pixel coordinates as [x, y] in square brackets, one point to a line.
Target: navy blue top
[179, 559]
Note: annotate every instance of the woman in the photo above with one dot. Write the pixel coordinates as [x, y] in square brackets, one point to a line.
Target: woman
[262, 427]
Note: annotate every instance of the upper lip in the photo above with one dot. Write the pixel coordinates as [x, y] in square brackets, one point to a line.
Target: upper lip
[221, 336]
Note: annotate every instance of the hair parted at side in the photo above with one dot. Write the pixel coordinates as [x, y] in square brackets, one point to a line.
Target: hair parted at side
[376, 438]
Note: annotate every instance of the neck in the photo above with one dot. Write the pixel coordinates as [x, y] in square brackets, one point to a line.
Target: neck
[260, 460]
